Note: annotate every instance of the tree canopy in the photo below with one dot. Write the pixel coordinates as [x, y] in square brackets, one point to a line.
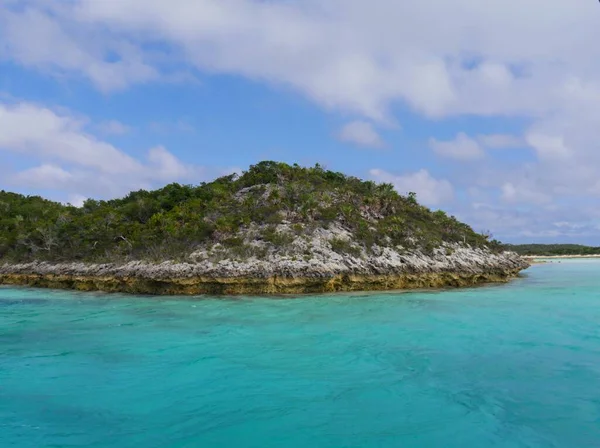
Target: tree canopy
[553, 249]
[170, 222]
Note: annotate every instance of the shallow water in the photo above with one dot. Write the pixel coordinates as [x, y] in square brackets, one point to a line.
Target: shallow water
[515, 365]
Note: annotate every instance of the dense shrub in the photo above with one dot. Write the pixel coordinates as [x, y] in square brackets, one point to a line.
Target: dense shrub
[173, 221]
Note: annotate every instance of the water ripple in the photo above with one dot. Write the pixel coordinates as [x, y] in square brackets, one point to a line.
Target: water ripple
[507, 366]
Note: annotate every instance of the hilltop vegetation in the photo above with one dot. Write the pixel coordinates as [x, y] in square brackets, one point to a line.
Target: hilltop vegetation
[553, 249]
[173, 222]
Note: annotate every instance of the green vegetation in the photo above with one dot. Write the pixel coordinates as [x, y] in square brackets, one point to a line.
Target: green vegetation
[173, 221]
[553, 249]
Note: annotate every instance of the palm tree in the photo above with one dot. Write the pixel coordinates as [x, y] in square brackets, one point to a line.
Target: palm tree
[386, 195]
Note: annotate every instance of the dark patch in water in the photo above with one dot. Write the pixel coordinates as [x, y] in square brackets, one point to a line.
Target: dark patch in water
[16, 302]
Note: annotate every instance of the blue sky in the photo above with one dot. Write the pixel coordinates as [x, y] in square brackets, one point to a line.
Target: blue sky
[98, 98]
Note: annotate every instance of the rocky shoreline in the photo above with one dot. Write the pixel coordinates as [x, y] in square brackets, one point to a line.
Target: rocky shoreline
[449, 266]
[275, 229]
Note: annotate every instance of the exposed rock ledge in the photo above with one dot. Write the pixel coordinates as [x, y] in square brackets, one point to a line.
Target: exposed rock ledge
[388, 270]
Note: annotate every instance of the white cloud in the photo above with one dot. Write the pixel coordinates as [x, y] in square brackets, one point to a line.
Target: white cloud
[547, 224]
[501, 141]
[111, 64]
[76, 200]
[344, 54]
[549, 146]
[461, 148]
[113, 127]
[440, 58]
[166, 167]
[360, 133]
[523, 193]
[58, 137]
[68, 159]
[43, 176]
[430, 191]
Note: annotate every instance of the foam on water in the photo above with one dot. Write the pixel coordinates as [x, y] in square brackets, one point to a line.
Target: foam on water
[515, 365]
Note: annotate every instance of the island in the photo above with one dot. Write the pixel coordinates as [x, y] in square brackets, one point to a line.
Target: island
[554, 250]
[274, 229]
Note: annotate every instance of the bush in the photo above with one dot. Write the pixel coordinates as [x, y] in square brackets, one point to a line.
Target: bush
[275, 237]
[342, 246]
[172, 221]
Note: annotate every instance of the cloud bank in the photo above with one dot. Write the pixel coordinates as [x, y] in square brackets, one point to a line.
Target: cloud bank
[535, 61]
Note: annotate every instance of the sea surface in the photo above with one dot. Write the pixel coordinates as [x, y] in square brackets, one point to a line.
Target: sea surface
[514, 365]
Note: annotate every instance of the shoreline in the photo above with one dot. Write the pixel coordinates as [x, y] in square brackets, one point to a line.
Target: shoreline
[256, 286]
[279, 275]
[550, 259]
[555, 257]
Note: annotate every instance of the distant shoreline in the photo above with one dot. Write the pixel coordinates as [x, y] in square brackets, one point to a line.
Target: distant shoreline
[532, 257]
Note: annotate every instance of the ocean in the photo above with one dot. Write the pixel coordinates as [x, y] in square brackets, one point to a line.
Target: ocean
[512, 365]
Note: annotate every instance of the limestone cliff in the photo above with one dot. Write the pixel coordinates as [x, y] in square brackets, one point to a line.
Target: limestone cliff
[325, 270]
[274, 229]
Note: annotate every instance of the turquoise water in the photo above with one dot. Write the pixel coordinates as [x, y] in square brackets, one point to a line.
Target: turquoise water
[515, 365]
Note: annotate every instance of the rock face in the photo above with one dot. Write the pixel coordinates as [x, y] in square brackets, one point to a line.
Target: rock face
[309, 265]
[275, 229]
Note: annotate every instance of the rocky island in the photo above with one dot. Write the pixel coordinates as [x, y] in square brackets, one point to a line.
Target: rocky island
[275, 229]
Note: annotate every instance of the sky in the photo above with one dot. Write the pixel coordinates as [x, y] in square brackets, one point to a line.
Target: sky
[489, 110]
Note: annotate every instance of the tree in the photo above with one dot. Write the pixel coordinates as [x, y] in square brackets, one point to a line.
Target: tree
[412, 198]
[176, 219]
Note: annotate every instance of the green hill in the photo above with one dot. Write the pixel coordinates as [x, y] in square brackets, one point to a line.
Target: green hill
[274, 229]
[174, 221]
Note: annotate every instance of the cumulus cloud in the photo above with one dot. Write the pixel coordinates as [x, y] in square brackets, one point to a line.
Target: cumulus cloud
[441, 59]
[58, 137]
[109, 63]
[360, 133]
[166, 167]
[43, 177]
[71, 160]
[429, 190]
[76, 200]
[461, 148]
[344, 54]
